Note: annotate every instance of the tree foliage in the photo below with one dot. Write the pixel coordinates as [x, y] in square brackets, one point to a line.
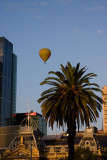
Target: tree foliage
[71, 99]
[84, 154]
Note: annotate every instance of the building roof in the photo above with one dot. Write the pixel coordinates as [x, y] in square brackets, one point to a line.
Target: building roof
[59, 139]
[2, 39]
[52, 137]
[101, 139]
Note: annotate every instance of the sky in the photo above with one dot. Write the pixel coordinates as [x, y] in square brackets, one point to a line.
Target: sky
[74, 31]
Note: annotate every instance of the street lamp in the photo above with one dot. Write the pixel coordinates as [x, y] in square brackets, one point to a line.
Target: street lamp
[31, 147]
[82, 156]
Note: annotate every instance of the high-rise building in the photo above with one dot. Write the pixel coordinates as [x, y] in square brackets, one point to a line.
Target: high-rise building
[8, 78]
[104, 89]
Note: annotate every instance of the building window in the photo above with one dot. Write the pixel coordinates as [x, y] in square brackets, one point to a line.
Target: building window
[87, 142]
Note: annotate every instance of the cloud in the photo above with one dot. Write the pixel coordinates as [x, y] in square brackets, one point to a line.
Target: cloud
[11, 6]
[43, 3]
[96, 8]
[18, 6]
[25, 7]
[35, 3]
[100, 31]
[63, 1]
[38, 17]
[30, 6]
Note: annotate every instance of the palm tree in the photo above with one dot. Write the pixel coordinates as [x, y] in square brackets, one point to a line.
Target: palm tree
[70, 100]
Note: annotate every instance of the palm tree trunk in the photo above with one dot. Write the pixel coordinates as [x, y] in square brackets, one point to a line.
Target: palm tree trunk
[71, 138]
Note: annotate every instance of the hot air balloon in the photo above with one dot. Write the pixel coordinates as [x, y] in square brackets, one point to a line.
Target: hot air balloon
[44, 53]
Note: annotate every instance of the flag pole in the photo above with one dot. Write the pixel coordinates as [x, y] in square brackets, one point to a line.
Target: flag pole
[28, 114]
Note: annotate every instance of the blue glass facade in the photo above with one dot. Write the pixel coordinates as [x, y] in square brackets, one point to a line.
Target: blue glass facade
[7, 76]
[13, 84]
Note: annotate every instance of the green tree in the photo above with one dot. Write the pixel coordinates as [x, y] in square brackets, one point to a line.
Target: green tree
[72, 100]
[83, 154]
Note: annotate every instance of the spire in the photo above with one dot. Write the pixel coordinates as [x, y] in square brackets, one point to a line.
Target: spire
[28, 114]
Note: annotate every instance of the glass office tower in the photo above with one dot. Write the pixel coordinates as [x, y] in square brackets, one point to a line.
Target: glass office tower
[13, 84]
[8, 72]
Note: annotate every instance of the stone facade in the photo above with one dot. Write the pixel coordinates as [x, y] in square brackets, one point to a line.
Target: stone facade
[28, 143]
[105, 108]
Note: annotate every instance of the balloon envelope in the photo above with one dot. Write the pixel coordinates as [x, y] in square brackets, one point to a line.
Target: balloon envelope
[44, 53]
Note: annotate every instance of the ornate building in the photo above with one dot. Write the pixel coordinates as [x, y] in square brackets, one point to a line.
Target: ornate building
[17, 142]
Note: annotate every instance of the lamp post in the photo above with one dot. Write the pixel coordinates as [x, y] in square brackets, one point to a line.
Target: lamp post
[28, 114]
[31, 148]
[82, 156]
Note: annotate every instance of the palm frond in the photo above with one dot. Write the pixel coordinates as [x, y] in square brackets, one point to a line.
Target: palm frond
[71, 97]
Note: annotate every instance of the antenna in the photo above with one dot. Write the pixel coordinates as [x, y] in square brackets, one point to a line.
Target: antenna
[28, 114]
